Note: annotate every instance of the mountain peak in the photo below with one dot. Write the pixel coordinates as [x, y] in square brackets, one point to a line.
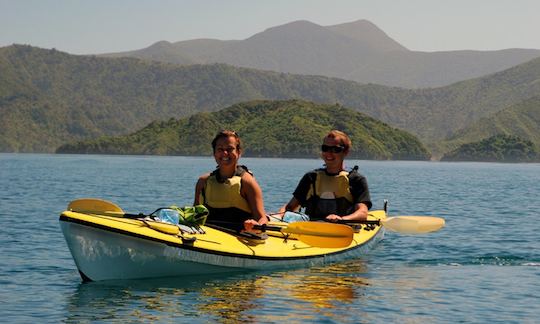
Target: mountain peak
[362, 31]
[367, 32]
[297, 27]
[161, 44]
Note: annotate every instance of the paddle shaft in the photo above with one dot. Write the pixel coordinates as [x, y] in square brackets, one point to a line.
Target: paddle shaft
[317, 228]
[368, 222]
[266, 227]
[158, 226]
[247, 235]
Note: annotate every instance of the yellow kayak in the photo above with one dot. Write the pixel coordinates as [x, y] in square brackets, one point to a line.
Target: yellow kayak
[109, 246]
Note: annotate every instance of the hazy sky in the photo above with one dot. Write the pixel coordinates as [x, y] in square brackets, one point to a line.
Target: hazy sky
[100, 26]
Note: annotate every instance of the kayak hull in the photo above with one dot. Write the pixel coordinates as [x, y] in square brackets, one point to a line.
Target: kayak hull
[114, 248]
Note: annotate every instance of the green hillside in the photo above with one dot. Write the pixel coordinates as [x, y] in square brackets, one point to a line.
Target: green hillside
[48, 97]
[498, 148]
[290, 128]
[521, 120]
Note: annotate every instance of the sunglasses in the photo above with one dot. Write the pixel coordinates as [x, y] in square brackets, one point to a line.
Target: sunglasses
[333, 149]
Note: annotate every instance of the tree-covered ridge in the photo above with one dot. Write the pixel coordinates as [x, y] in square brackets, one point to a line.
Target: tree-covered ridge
[48, 97]
[522, 120]
[291, 128]
[498, 148]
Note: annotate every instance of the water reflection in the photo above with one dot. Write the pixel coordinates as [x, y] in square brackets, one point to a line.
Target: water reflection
[324, 293]
[162, 299]
[302, 295]
[233, 301]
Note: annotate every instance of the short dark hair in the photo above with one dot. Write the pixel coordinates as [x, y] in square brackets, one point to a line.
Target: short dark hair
[225, 134]
[342, 137]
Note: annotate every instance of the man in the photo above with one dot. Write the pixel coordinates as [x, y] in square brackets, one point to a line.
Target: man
[332, 193]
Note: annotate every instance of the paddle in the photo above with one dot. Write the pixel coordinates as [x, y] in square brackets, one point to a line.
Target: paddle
[107, 208]
[322, 235]
[406, 224]
[311, 233]
[316, 233]
[400, 224]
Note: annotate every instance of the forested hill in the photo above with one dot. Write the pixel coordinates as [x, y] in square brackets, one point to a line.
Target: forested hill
[290, 128]
[510, 135]
[497, 148]
[48, 97]
[521, 120]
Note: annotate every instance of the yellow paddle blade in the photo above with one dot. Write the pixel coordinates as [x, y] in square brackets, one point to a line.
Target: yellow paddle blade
[107, 208]
[318, 229]
[325, 242]
[413, 224]
[94, 205]
[320, 234]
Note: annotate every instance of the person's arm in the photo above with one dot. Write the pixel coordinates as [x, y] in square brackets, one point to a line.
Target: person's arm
[292, 205]
[253, 194]
[360, 213]
[301, 191]
[199, 188]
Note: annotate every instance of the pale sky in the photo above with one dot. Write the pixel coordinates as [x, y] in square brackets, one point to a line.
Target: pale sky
[104, 26]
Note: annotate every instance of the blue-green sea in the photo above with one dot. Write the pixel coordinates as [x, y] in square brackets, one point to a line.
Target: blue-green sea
[483, 267]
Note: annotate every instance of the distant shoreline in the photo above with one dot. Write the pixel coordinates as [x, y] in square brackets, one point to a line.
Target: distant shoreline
[257, 157]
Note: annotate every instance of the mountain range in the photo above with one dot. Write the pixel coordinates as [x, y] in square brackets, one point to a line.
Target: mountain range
[48, 98]
[357, 51]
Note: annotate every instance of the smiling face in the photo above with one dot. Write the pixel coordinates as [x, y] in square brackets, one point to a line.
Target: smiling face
[226, 152]
[333, 161]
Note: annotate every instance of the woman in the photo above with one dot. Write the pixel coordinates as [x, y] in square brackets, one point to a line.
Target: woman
[231, 193]
[332, 193]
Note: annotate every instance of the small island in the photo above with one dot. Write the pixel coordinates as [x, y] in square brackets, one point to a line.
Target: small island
[498, 148]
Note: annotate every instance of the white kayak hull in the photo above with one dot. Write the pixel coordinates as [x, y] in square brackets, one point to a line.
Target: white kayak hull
[104, 254]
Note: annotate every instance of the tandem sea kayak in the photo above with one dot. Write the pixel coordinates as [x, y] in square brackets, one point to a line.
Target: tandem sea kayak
[107, 245]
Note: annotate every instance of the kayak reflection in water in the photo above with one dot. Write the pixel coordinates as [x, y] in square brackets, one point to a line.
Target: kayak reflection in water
[231, 193]
[332, 193]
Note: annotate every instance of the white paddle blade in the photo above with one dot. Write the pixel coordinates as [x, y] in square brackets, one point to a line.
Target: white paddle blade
[413, 224]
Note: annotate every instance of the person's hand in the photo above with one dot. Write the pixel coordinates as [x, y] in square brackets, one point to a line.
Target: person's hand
[333, 218]
[249, 224]
[276, 216]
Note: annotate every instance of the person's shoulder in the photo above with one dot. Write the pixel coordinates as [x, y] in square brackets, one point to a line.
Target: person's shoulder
[205, 176]
[314, 171]
[311, 175]
[242, 169]
[355, 174]
[244, 173]
[248, 180]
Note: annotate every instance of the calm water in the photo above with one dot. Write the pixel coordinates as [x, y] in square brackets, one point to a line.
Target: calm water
[484, 266]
